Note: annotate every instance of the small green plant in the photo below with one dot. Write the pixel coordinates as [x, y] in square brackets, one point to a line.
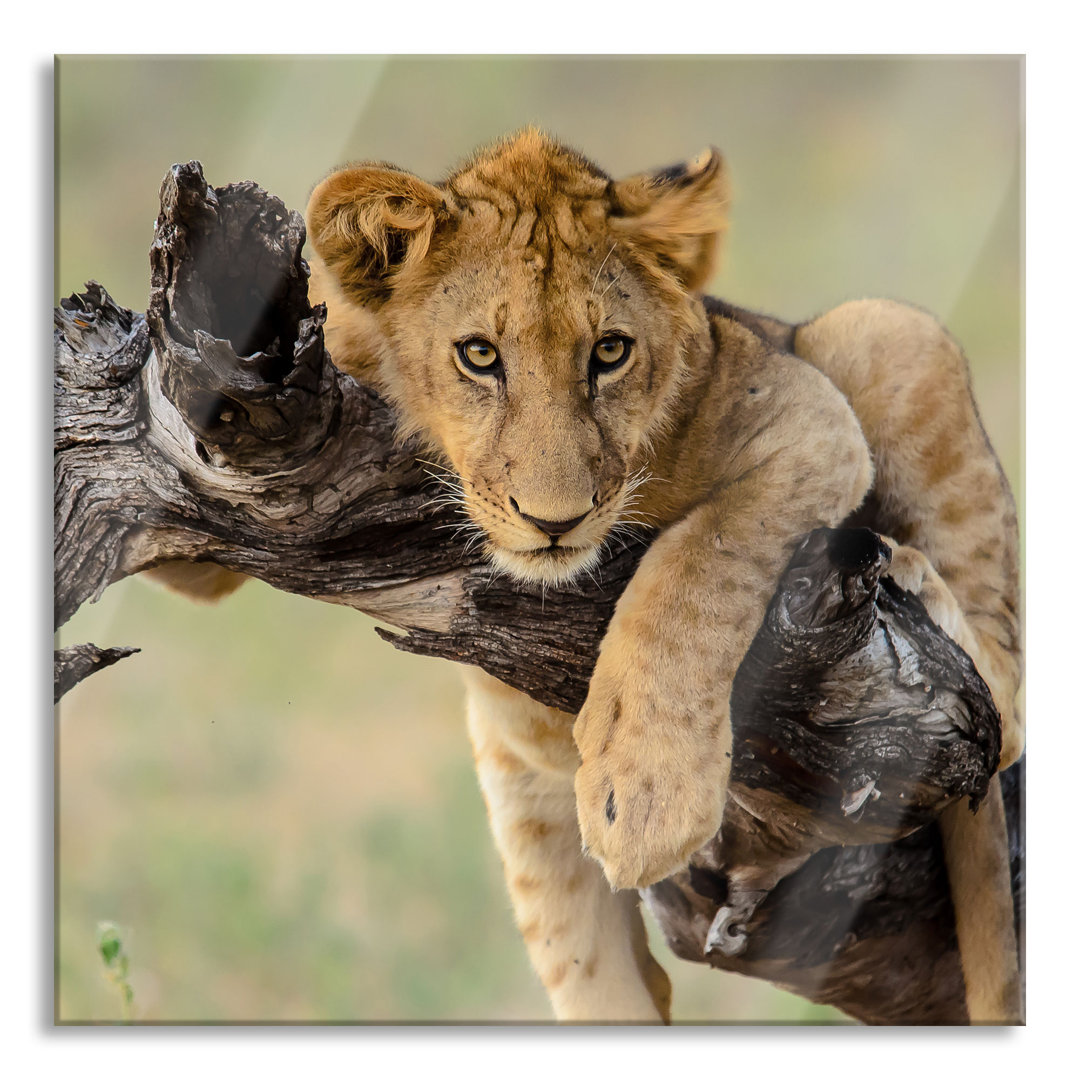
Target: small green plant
[111, 948]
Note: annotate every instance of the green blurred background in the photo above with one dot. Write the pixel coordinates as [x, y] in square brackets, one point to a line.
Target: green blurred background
[276, 807]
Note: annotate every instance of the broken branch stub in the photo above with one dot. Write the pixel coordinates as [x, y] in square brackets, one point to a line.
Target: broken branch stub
[240, 347]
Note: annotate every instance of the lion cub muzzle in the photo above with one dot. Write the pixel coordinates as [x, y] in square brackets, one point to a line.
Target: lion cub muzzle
[548, 539]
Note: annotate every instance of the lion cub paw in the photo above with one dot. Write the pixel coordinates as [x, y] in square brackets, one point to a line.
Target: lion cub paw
[650, 790]
[911, 570]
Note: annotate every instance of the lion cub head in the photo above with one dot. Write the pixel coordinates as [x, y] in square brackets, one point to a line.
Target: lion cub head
[532, 318]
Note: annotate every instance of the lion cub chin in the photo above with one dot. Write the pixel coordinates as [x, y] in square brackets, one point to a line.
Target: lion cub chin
[552, 565]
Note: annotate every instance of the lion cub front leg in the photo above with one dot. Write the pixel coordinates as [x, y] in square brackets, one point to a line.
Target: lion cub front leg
[784, 454]
[655, 732]
[586, 942]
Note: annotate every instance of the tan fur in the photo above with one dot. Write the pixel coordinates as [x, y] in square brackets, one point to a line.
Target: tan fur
[732, 446]
[204, 581]
[586, 942]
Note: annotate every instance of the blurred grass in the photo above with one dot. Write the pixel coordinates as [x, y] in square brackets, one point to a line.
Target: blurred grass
[277, 808]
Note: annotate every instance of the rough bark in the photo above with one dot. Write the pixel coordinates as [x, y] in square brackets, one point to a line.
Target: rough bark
[217, 428]
[74, 663]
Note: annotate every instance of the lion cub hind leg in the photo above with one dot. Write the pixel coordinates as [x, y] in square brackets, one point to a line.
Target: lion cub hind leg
[203, 581]
[976, 845]
[977, 859]
[586, 942]
[939, 487]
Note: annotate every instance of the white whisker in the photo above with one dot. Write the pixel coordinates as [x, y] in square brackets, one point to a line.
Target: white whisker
[601, 270]
[440, 502]
[435, 465]
[471, 543]
[592, 577]
[609, 284]
[491, 576]
[638, 517]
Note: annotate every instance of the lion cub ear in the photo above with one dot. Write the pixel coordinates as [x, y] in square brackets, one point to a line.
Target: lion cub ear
[372, 223]
[678, 213]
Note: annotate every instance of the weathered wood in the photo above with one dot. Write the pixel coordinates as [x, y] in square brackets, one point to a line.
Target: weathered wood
[217, 428]
[76, 662]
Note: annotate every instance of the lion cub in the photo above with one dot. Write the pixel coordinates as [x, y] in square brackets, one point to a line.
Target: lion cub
[543, 327]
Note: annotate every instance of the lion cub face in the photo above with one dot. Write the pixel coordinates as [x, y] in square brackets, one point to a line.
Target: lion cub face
[530, 317]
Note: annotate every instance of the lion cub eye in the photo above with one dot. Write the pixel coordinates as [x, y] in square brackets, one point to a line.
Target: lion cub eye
[610, 352]
[478, 356]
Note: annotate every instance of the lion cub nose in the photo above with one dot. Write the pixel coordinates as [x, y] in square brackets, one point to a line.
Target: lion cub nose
[551, 528]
